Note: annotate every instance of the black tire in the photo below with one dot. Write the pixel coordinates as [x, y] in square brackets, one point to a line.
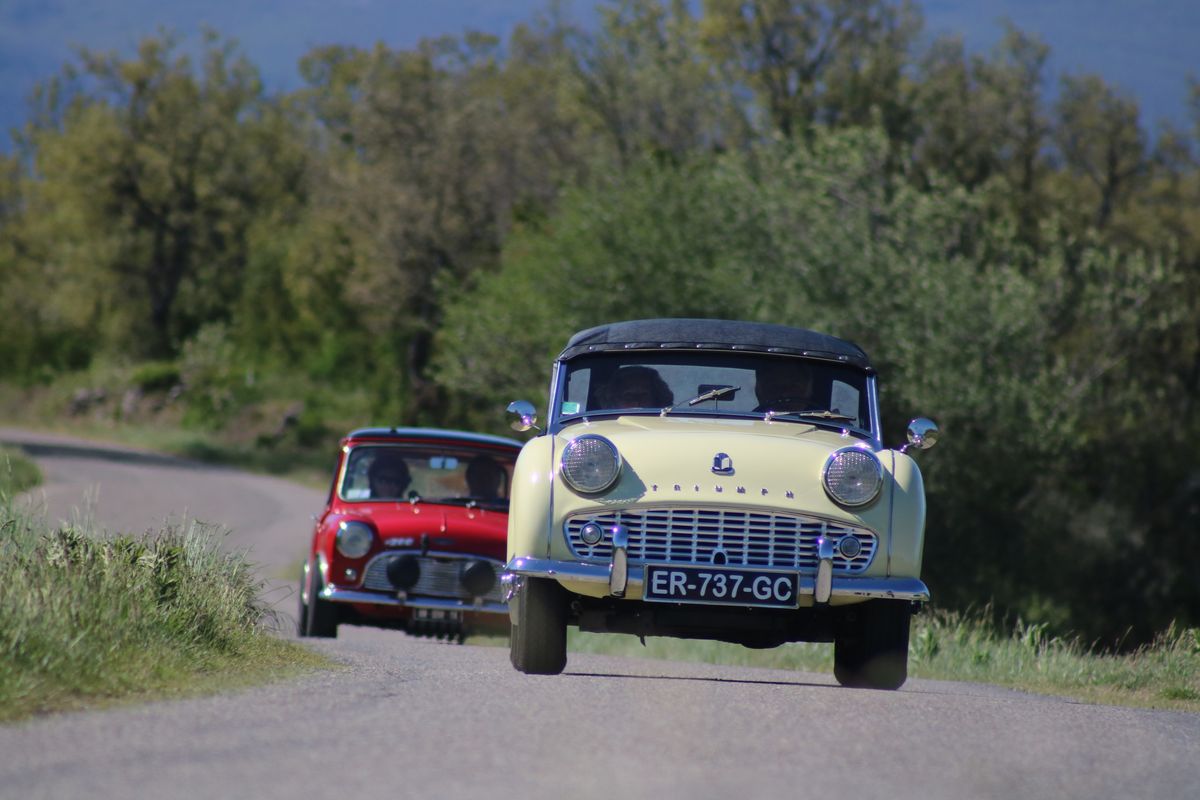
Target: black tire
[538, 641]
[870, 649]
[318, 618]
[302, 611]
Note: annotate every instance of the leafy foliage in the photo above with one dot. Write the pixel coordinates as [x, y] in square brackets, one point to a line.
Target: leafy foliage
[91, 617]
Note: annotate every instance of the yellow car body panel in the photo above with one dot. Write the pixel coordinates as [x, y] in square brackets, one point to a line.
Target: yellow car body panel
[529, 522]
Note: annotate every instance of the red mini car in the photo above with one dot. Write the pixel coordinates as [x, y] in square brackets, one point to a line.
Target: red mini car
[412, 536]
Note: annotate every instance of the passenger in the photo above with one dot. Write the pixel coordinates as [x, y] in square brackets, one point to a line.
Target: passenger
[784, 384]
[388, 475]
[635, 387]
[485, 477]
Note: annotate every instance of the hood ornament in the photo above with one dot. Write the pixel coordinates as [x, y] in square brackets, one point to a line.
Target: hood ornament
[722, 464]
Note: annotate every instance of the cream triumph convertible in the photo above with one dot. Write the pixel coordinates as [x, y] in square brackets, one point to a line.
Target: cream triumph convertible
[713, 479]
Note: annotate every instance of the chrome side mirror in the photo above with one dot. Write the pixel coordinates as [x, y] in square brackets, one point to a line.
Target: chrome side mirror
[526, 415]
[922, 434]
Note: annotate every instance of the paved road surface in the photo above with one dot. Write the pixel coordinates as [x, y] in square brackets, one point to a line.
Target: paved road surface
[413, 718]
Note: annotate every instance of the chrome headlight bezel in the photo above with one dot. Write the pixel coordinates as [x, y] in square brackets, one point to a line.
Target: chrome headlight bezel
[605, 472]
[852, 477]
[354, 539]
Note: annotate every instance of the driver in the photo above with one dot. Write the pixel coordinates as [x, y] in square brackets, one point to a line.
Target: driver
[783, 384]
[635, 387]
[388, 474]
[484, 477]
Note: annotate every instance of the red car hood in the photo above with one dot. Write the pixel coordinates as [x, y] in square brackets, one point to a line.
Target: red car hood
[451, 529]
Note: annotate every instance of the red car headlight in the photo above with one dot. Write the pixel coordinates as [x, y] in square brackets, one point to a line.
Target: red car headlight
[354, 539]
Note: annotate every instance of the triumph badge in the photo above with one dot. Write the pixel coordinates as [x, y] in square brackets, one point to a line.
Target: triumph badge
[722, 464]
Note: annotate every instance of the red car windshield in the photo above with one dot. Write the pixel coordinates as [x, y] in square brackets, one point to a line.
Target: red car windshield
[426, 473]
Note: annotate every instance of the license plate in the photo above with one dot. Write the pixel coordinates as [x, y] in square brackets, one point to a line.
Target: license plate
[721, 586]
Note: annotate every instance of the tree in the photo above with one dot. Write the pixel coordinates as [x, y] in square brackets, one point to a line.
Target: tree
[1100, 141]
[156, 169]
[807, 61]
[641, 85]
[426, 157]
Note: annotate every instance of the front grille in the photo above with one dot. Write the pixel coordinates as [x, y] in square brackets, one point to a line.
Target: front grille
[703, 535]
[438, 578]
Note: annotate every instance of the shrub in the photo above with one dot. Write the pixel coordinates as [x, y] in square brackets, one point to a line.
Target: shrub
[156, 376]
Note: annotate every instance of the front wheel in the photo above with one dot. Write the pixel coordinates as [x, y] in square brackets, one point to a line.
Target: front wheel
[870, 649]
[318, 618]
[538, 641]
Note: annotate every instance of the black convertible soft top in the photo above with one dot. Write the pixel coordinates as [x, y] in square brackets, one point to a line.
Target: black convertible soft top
[713, 334]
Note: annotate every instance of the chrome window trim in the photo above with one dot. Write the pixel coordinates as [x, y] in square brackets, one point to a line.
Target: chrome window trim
[873, 411]
[555, 421]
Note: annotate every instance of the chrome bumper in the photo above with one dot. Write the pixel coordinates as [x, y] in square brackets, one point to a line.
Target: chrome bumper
[336, 595]
[883, 588]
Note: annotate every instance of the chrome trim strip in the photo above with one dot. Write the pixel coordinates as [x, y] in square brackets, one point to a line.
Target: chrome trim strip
[884, 588]
[335, 595]
[392, 552]
[873, 412]
[568, 570]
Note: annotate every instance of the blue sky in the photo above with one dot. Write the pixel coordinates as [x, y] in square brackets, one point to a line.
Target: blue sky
[1147, 47]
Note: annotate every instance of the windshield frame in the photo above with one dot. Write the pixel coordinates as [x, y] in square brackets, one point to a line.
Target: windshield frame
[558, 421]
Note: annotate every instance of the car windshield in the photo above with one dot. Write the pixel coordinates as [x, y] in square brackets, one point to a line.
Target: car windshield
[427, 474]
[786, 388]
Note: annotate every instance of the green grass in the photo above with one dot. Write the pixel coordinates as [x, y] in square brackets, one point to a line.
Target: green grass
[1163, 674]
[957, 647]
[18, 473]
[91, 621]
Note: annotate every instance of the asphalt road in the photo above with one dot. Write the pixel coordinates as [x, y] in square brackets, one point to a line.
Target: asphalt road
[414, 718]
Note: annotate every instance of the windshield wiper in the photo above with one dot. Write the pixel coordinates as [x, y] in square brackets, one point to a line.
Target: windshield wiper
[711, 394]
[822, 413]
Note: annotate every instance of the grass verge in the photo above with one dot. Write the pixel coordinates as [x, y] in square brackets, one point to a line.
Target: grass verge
[18, 472]
[959, 647]
[91, 621]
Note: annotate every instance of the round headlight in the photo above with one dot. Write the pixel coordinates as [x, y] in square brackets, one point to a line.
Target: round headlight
[853, 476]
[354, 539]
[590, 464]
